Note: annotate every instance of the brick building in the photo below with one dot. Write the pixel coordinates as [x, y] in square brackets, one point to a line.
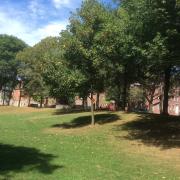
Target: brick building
[102, 101]
[174, 102]
[19, 98]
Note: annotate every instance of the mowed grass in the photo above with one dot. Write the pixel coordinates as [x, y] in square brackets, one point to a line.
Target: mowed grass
[42, 144]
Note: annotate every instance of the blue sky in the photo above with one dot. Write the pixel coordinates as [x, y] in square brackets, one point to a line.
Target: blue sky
[33, 20]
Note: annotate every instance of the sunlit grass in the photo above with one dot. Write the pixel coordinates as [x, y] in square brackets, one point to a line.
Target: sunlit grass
[40, 144]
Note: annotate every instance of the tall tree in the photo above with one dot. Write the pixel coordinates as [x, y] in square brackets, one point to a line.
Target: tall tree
[9, 47]
[31, 71]
[118, 55]
[156, 28]
[80, 46]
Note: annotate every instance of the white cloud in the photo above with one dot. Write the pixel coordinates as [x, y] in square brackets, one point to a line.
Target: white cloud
[33, 6]
[30, 34]
[10, 26]
[51, 29]
[62, 3]
[36, 9]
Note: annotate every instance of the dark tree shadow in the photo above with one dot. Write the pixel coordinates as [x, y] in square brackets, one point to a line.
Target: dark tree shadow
[86, 120]
[20, 159]
[68, 111]
[153, 129]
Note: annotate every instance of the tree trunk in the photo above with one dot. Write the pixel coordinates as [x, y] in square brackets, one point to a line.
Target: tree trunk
[92, 110]
[97, 101]
[84, 103]
[10, 95]
[125, 90]
[161, 104]
[20, 86]
[4, 94]
[119, 102]
[46, 102]
[41, 102]
[19, 103]
[124, 97]
[150, 107]
[167, 76]
[29, 101]
[149, 95]
[161, 99]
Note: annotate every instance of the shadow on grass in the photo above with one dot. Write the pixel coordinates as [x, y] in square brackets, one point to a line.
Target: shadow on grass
[153, 129]
[86, 120]
[20, 159]
[68, 111]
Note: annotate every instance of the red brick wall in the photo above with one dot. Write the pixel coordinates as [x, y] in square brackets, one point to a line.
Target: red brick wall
[174, 103]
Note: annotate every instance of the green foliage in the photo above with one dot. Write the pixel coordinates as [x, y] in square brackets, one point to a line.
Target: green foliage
[136, 94]
[118, 54]
[81, 47]
[9, 47]
[155, 29]
[46, 73]
[30, 71]
[64, 83]
[106, 49]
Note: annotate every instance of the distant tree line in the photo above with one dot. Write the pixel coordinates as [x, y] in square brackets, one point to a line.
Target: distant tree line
[104, 49]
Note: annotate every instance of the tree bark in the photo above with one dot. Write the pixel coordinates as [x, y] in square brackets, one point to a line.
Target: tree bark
[29, 101]
[84, 103]
[149, 95]
[161, 100]
[150, 107]
[19, 103]
[4, 94]
[125, 90]
[41, 102]
[97, 101]
[20, 87]
[167, 76]
[46, 102]
[118, 101]
[92, 110]
[10, 95]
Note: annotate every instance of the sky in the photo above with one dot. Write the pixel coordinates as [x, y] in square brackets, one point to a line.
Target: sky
[33, 20]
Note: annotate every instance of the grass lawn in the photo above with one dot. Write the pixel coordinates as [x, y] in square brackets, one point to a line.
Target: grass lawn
[42, 144]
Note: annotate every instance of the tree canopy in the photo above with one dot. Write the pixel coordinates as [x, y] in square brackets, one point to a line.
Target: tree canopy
[9, 47]
[109, 49]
